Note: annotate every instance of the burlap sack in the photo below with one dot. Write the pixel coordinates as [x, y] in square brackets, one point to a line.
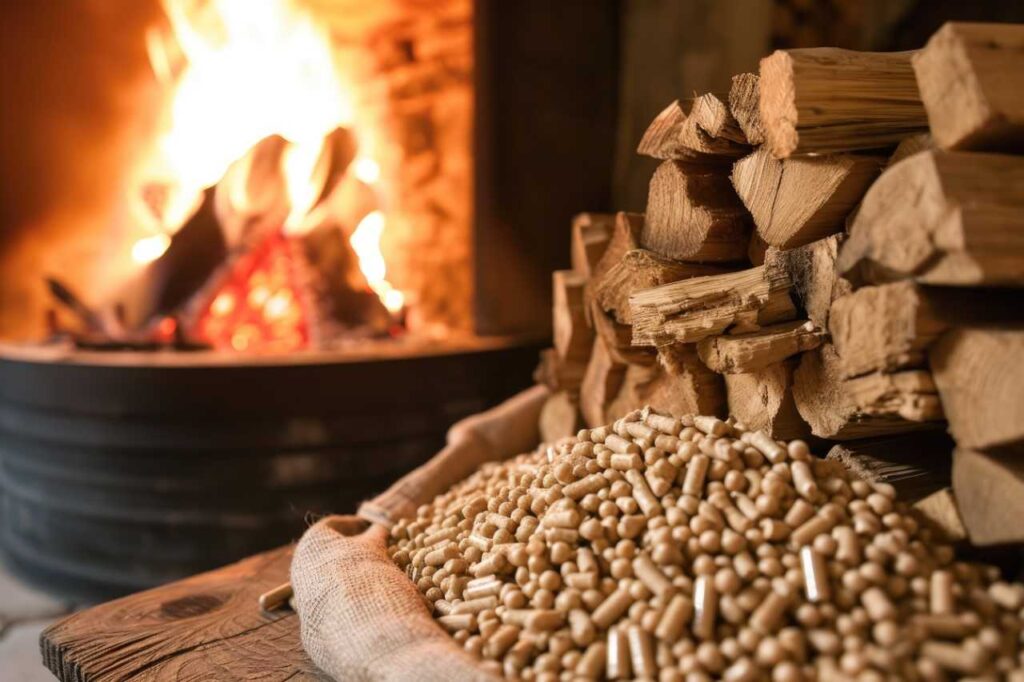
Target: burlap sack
[361, 617]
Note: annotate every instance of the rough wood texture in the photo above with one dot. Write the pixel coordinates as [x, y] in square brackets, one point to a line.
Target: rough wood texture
[660, 140]
[757, 249]
[641, 269]
[559, 418]
[798, 200]
[694, 309]
[625, 237]
[813, 271]
[883, 328]
[743, 353]
[744, 103]
[970, 81]
[763, 399]
[910, 394]
[989, 493]
[572, 335]
[942, 218]
[591, 233]
[915, 464]
[706, 135]
[940, 511]
[694, 214]
[208, 627]
[601, 384]
[830, 100]
[827, 403]
[911, 145]
[713, 116]
[618, 338]
[682, 385]
[980, 377]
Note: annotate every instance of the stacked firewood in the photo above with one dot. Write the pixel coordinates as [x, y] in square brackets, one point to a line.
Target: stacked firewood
[833, 250]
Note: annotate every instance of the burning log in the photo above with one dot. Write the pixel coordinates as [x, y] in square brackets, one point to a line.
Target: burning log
[693, 214]
[966, 74]
[830, 100]
[949, 218]
[798, 200]
[762, 399]
[745, 353]
[744, 103]
[251, 200]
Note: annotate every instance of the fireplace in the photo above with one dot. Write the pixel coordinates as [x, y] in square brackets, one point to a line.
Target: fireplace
[326, 244]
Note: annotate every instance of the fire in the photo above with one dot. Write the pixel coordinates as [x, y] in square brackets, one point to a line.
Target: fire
[239, 71]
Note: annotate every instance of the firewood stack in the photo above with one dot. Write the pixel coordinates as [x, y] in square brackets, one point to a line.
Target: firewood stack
[833, 250]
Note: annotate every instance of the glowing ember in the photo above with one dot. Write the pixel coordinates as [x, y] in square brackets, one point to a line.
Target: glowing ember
[258, 308]
[148, 249]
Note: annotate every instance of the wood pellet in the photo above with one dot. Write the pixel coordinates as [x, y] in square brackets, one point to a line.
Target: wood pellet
[688, 548]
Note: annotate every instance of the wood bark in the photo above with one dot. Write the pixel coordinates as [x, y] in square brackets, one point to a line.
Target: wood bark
[573, 337]
[601, 384]
[694, 214]
[591, 233]
[694, 309]
[969, 76]
[744, 353]
[689, 388]
[940, 511]
[831, 407]
[641, 269]
[798, 200]
[831, 100]
[989, 493]
[744, 103]
[980, 377]
[762, 399]
[916, 464]
[559, 418]
[814, 273]
[951, 218]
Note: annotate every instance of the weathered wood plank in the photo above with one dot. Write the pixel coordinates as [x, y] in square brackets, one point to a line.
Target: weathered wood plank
[207, 627]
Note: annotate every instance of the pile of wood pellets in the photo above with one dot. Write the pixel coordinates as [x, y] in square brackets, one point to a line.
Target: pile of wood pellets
[690, 548]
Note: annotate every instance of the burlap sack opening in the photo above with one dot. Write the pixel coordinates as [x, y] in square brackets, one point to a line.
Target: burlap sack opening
[361, 617]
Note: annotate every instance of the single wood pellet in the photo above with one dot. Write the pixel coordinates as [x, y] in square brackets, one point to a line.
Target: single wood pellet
[687, 548]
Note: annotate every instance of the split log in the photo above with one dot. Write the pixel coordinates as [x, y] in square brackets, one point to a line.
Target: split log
[641, 269]
[883, 328]
[573, 337]
[618, 338]
[940, 511]
[980, 377]
[559, 418]
[712, 116]
[989, 493]
[970, 77]
[625, 237]
[677, 135]
[812, 269]
[921, 142]
[601, 384]
[744, 103]
[828, 403]
[694, 214]
[556, 375]
[830, 100]
[690, 388]
[696, 308]
[762, 399]
[757, 249]
[744, 353]
[660, 140]
[916, 465]
[910, 394]
[591, 233]
[950, 218]
[799, 200]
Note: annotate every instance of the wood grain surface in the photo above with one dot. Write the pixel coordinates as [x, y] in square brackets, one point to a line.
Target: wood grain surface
[207, 627]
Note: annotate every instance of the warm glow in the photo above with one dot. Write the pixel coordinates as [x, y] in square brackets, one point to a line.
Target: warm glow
[366, 170]
[366, 243]
[148, 249]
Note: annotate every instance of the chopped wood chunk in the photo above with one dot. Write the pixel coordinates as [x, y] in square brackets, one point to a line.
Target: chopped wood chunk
[744, 103]
[989, 493]
[625, 237]
[601, 384]
[798, 200]
[970, 81]
[591, 233]
[921, 142]
[826, 99]
[572, 336]
[940, 511]
[763, 400]
[696, 308]
[743, 353]
[910, 394]
[951, 218]
[618, 338]
[706, 135]
[813, 271]
[691, 388]
[712, 115]
[694, 214]
[980, 376]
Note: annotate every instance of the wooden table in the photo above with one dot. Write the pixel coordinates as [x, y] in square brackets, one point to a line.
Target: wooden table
[207, 627]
